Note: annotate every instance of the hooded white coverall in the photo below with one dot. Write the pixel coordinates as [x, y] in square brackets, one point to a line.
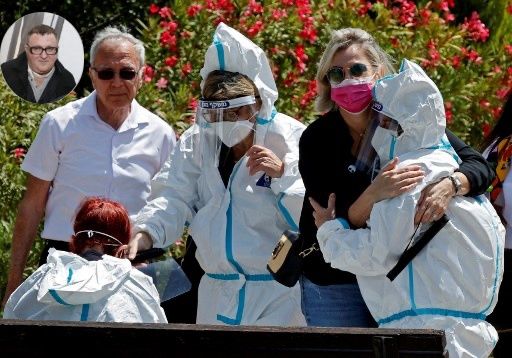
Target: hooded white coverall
[452, 284]
[235, 228]
[70, 288]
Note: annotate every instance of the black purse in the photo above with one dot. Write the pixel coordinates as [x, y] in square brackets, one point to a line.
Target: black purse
[285, 264]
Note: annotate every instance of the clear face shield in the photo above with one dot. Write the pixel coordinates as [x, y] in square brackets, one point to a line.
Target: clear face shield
[229, 121]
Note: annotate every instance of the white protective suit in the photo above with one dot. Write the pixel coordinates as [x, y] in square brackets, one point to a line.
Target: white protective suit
[452, 284]
[235, 228]
[70, 288]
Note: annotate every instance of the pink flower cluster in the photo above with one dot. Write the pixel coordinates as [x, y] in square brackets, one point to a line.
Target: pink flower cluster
[476, 28]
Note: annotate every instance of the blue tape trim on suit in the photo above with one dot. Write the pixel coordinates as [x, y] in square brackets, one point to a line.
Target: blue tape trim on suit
[57, 298]
[286, 214]
[235, 276]
[220, 53]
[70, 274]
[430, 311]
[85, 312]
[392, 148]
[343, 223]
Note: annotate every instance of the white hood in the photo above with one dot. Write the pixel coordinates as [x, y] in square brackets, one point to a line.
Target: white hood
[414, 101]
[72, 280]
[232, 51]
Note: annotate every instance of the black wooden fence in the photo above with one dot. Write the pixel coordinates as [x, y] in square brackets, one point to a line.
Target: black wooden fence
[73, 339]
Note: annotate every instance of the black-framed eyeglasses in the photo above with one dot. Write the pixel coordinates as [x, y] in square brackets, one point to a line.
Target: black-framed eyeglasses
[37, 50]
[107, 74]
[336, 74]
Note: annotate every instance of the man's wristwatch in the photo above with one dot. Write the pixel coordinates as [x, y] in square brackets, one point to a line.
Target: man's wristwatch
[456, 182]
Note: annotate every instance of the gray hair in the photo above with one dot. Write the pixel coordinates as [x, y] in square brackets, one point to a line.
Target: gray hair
[117, 34]
[341, 40]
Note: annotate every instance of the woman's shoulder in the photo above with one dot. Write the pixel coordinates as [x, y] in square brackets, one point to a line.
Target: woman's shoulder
[325, 125]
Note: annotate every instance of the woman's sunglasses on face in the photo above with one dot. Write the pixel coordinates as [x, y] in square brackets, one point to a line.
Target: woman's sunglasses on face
[336, 74]
[107, 74]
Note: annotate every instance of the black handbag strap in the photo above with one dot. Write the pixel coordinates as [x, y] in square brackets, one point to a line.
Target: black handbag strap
[411, 252]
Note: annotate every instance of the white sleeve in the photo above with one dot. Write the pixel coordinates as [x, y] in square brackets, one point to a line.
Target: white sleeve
[289, 188]
[371, 251]
[173, 197]
[42, 159]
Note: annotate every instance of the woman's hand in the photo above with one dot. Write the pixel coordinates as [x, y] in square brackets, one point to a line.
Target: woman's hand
[141, 241]
[434, 201]
[392, 181]
[263, 159]
[322, 214]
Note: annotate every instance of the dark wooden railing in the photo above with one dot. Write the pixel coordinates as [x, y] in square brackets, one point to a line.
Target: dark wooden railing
[74, 339]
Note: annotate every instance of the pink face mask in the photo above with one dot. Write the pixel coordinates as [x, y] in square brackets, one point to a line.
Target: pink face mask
[353, 95]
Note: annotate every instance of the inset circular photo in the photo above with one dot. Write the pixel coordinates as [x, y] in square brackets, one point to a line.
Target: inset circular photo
[42, 57]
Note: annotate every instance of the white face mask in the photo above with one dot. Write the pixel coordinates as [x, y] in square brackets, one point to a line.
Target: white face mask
[384, 141]
[232, 133]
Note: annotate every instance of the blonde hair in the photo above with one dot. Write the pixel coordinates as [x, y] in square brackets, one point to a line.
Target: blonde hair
[221, 85]
[341, 40]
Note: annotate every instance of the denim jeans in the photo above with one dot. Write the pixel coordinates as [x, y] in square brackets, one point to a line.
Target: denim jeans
[334, 305]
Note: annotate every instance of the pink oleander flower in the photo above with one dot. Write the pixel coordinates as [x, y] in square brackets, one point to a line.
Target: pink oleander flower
[405, 11]
[166, 38]
[161, 83]
[308, 33]
[485, 104]
[456, 61]
[445, 5]
[508, 48]
[287, 2]
[165, 13]
[19, 153]
[448, 112]
[255, 7]
[149, 73]
[277, 14]
[486, 129]
[364, 7]
[476, 28]
[192, 103]
[300, 54]
[171, 61]
[186, 69]
[502, 93]
[193, 10]
[170, 26]
[509, 8]
[153, 9]
[255, 29]
[425, 15]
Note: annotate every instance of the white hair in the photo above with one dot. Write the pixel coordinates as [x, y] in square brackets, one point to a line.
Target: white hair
[117, 34]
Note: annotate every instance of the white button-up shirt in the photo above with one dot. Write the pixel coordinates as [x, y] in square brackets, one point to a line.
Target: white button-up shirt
[84, 156]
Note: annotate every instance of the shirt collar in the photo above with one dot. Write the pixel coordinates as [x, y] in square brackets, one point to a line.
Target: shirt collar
[133, 120]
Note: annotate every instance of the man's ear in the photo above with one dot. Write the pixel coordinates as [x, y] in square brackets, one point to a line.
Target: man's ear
[90, 76]
[141, 76]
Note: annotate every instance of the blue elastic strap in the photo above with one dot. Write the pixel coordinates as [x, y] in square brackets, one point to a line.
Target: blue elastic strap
[392, 148]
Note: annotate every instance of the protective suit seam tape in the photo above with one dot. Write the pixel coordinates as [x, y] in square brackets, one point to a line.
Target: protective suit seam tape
[57, 298]
[220, 52]
[343, 223]
[286, 214]
[431, 311]
[85, 312]
[235, 276]
[70, 275]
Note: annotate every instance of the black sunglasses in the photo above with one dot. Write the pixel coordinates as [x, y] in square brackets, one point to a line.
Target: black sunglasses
[336, 74]
[108, 74]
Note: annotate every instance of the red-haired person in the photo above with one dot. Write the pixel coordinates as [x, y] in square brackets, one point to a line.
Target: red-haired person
[89, 283]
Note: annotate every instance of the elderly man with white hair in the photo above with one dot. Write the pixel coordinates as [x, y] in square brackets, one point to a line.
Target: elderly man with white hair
[103, 145]
[452, 283]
